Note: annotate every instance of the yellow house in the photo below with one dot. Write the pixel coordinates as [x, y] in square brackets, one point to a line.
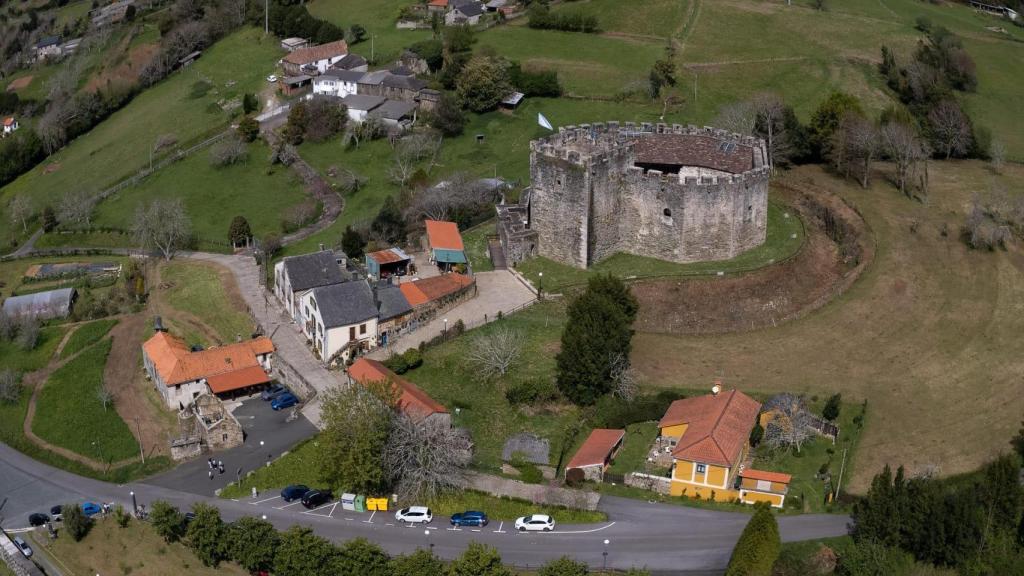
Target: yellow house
[711, 435]
[760, 486]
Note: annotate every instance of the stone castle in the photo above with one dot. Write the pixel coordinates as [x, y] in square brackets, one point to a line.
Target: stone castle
[671, 192]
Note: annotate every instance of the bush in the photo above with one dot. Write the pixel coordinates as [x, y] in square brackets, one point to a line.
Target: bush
[121, 516]
[532, 391]
[402, 363]
[166, 520]
[758, 546]
[76, 522]
[613, 412]
[248, 129]
[832, 407]
[542, 18]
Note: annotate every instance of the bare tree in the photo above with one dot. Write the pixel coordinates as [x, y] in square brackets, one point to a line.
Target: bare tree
[228, 151]
[862, 145]
[10, 386]
[790, 423]
[28, 333]
[738, 117]
[494, 353]
[904, 146]
[163, 225]
[983, 227]
[7, 327]
[64, 83]
[20, 210]
[770, 111]
[52, 127]
[997, 154]
[624, 378]
[460, 192]
[951, 127]
[105, 397]
[75, 209]
[426, 458]
[411, 150]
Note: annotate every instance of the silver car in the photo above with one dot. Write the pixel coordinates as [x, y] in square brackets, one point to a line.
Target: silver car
[23, 546]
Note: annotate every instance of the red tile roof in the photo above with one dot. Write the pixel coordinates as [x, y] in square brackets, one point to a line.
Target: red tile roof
[597, 448]
[176, 364]
[9, 121]
[386, 256]
[441, 234]
[251, 376]
[718, 426]
[767, 476]
[428, 289]
[439, 3]
[693, 150]
[315, 53]
[413, 401]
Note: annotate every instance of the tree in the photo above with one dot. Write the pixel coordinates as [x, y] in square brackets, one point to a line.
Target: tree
[876, 517]
[756, 434]
[76, 523]
[75, 209]
[790, 424]
[758, 547]
[360, 556]
[494, 353]
[448, 117]
[617, 291]
[425, 458]
[904, 146]
[624, 378]
[166, 520]
[239, 232]
[352, 242]
[163, 225]
[738, 117]
[419, 563]
[302, 553]
[483, 82]
[248, 129]
[229, 151]
[28, 333]
[827, 118]
[597, 330]
[478, 560]
[10, 386]
[1001, 491]
[997, 155]
[249, 103]
[564, 566]
[104, 396]
[8, 327]
[357, 421]
[326, 118]
[950, 128]
[663, 73]
[832, 406]
[20, 211]
[298, 121]
[49, 219]
[252, 542]
[271, 244]
[388, 225]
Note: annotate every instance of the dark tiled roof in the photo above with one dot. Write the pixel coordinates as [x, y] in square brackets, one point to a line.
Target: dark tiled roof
[406, 82]
[395, 110]
[470, 9]
[374, 78]
[362, 101]
[349, 62]
[313, 270]
[401, 71]
[392, 302]
[48, 41]
[348, 75]
[345, 304]
[694, 150]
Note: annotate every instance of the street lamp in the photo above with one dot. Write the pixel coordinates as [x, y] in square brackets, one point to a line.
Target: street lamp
[135, 507]
[605, 554]
[445, 328]
[540, 284]
[264, 516]
[427, 534]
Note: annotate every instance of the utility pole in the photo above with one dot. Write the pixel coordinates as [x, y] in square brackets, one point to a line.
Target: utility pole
[138, 428]
[842, 467]
[266, 17]
[372, 36]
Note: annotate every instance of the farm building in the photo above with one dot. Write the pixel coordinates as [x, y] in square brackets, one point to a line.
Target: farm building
[394, 312]
[386, 263]
[10, 125]
[340, 319]
[432, 296]
[315, 59]
[360, 105]
[293, 44]
[41, 305]
[596, 453]
[412, 401]
[444, 243]
[296, 275]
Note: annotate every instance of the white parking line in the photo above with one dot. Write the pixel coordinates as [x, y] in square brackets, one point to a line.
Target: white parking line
[605, 527]
[477, 530]
[288, 505]
[331, 515]
[266, 500]
[499, 530]
[453, 529]
[313, 511]
[370, 521]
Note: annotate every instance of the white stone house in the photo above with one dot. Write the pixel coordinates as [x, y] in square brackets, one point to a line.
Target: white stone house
[339, 319]
[10, 125]
[314, 60]
[337, 83]
[360, 105]
[295, 276]
[468, 13]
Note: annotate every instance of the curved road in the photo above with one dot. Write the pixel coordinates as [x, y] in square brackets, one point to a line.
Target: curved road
[664, 538]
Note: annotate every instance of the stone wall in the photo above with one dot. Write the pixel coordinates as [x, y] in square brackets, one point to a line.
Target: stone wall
[659, 484]
[537, 493]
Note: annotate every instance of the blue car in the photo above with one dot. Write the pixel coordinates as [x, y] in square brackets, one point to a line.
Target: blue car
[294, 492]
[91, 508]
[273, 392]
[469, 518]
[286, 400]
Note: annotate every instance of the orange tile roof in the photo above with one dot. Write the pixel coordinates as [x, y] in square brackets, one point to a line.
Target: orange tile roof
[413, 401]
[767, 476]
[438, 3]
[9, 121]
[251, 376]
[427, 289]
[176, 364]
[718, 426]
[315, 53]
[444, 235]
[596, 449]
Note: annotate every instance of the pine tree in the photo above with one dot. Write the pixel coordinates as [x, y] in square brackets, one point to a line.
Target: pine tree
[758, 547]
[832, 407]
[352, 242]
[596, 334]
[617, 291]
[388, 225]
[239, 232]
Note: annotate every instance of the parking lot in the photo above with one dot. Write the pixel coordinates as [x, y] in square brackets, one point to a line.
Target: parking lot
[22, 494]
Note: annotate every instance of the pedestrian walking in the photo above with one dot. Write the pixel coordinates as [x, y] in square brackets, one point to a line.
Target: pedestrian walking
[220, 468]
[211, 474]
[254, 492]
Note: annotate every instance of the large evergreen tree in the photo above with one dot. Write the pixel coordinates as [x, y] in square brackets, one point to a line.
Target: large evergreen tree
[389, 225]
[596, 335]
[758, 547]
[207, 535]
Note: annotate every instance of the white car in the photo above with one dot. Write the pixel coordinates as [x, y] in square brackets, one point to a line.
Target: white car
[23, 546]
[272, 78]
[535, 523]
[414, 515]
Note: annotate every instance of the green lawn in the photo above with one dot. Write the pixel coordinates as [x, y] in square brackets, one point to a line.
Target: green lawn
[197, 289]
[378, 17]
[90, 239]
[121, 145]
[69, 414]
[508, 509]
[298, 466]
[785, 237]
[632, 457]
[14, 358]
[649, 18]
[475, 241]
[86, 335]
[213, 196]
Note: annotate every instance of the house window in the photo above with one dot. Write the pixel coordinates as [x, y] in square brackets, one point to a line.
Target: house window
[224, 437]
[667, 213]
[362, 329]
[701, 468]
[351, 332]
[764, 485]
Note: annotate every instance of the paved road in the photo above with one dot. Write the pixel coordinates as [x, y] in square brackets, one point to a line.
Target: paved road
[664, 538]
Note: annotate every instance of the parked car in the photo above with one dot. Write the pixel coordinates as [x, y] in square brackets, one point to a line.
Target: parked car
[189, 517]
[414, 515]
[272, 78]
[469, 518]
[274, 391]
[55, 513]
[286, 400]
[23, 546]
[315, 498]
[535, 523]
[91, 508]
[294, 492]
[38, 519]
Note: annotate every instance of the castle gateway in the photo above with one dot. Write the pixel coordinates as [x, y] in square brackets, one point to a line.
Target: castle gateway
[676, 193]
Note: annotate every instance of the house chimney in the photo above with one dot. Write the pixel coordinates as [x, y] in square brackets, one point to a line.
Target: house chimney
[158, 324]
[717, 388]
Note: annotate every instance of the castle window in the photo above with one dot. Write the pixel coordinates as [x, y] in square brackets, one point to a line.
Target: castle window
[667, 213]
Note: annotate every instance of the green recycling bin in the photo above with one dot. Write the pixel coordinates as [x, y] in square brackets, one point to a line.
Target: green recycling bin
[360, 503]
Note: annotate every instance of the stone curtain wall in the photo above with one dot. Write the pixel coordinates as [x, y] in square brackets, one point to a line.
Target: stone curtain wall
[589, 201]
[537, 493]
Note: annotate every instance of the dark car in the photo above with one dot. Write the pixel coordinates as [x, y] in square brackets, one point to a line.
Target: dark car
[56, 513]
[273, 392]
[189, 517]
[294, 492]
[38, 519]
[315, 498]
[286, 400]
[469, 518]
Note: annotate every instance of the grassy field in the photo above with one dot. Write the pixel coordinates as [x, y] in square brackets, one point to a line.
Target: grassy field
[137, 549]
[475, 241]
[213, 196]
[652, 18]
[198, 290]
[379, 20]
[632, 457]
[785, 237]
[507, 509]
[14, 358]
[68, 413]
[121, 144]
[928, 334]
[86, 335]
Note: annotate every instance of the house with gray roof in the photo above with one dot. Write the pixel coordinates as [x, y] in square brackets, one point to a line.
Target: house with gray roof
[396, 113]
[467, 13]
[41, 305]
[394, 312]
[351, 62]
[360, 105]
[340, 319]
[338, 83]
[295, 276]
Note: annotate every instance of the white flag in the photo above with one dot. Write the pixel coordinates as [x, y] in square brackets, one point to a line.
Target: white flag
[544, 121]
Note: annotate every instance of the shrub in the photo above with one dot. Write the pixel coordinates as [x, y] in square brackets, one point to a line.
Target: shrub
[532, 391]
[167, 521]
[76, 522]
[248, 129]
[832, 407]
[613, 412]
[758, 546]
[121, 516]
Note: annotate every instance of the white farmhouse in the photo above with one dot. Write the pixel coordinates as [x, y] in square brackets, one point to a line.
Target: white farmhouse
[297, 275]
[337, 83]
[340, 318]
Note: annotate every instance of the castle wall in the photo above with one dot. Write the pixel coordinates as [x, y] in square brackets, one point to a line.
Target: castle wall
[561, 217]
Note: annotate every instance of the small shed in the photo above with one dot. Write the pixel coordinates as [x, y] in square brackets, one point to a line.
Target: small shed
[41, 305]
[396, 113]
[295, 84]
[762, 486]
[292, 44]
[386, 263]
[596, 453]
[512, 101]
[445, 244]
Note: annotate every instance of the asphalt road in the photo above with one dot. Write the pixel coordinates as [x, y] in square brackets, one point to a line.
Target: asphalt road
[664, 538]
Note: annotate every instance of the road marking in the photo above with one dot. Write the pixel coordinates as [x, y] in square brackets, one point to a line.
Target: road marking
[387, 524]
[288, 505]
[265, 500]
[453, 529]
[370, 521]
[350, 519]
[312, 512]
[606, 526]
[331, 515]
[20, 530]
[477, 530]
[499, 530]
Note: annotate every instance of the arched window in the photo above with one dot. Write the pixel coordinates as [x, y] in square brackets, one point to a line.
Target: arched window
[667, 213]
